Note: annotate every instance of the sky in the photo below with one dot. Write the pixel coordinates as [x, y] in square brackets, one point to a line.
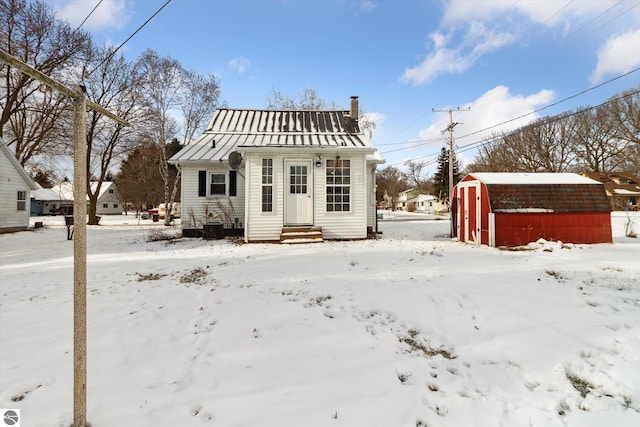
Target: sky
[408, 61]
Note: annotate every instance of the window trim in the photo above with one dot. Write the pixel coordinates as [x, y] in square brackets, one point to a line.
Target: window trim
[222, 184]
[21, 202]
[266, 206]
[335, 171]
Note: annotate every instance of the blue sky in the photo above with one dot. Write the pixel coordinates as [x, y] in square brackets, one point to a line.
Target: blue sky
[501, 59]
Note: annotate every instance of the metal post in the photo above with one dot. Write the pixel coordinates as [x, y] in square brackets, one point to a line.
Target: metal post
[80, 260]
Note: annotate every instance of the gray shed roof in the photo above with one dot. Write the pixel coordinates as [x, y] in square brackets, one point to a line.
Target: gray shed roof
[233, 129]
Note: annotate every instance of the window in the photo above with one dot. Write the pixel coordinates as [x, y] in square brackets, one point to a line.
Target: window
[217, 183]
[338, 185]
[105, 205]
[267, 185]
[111, 191]
[115, 206]
[298, 179]
[22, 201]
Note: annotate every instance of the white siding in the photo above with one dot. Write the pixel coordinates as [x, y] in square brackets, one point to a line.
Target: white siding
[344, 225]
[371, 196]
[263, 226]
[112, 200]
[195, 209]
[12, 181]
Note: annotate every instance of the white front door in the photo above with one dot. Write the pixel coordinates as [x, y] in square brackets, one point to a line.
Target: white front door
[299, 191]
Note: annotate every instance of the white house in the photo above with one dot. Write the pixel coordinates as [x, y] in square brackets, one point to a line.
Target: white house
[47, 201]
[281, 174]
[426, 203]
[109, 199]
[15, 188]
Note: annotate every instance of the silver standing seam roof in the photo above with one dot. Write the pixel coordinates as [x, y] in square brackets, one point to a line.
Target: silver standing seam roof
[233, 129]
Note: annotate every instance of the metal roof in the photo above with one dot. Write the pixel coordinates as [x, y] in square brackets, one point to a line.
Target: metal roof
[233, 129]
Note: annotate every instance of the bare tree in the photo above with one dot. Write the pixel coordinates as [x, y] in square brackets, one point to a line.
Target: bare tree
[595, 141]
[198, 102]
[494, 155]
[169, 88]
[30, 114]
[390, 181]
[309, 100]
[114, 83]
[626, 113]
[162, 85]
[416, 177]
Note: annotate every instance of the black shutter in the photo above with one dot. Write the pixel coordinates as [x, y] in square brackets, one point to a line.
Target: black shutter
[202, 183]
[232, 183]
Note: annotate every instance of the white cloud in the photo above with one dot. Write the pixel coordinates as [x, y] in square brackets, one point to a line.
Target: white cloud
[618, 55]
[549, 13]
[109, 13]
[239, 64]
[485, 115]
[367, 6]
[476, 42]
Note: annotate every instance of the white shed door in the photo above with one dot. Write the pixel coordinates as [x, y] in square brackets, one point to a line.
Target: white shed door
[299, 191]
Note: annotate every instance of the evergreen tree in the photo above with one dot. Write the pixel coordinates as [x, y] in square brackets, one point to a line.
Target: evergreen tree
[441, 177]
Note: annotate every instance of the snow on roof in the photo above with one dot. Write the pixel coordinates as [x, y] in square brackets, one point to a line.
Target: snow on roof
[531, 178]
[48, 194]
[626, 192]
[231, 129]
[64, 190]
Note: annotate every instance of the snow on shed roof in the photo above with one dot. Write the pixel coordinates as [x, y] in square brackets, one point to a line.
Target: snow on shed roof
[531, 178]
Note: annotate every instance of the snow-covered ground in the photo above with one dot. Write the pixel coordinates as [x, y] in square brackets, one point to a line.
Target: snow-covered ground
[412, 329]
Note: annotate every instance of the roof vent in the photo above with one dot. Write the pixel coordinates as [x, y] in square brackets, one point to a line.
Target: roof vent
[213, 143]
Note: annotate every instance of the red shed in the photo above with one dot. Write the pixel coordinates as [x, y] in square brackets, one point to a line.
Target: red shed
[514, 209]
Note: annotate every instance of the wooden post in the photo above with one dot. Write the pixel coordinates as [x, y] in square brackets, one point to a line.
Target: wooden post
[80, 260]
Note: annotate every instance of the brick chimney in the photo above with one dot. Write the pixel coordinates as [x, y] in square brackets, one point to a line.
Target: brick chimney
[354, 108]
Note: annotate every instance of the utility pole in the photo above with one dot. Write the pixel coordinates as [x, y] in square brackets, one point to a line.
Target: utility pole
[449, 129]
[80, 104]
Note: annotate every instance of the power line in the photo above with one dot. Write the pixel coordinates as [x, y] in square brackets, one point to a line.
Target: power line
[559, 117]
[482, 142]
[554, 104]
[89, 15]
[129, 38]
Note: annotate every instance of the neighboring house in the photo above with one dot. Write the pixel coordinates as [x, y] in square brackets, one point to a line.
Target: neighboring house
[404, 197]
[46, 201]
[413, 201]
[514, 209]
[426, 203]
[15, 186]
[109, 199]
[623, 189]
[263, 171]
